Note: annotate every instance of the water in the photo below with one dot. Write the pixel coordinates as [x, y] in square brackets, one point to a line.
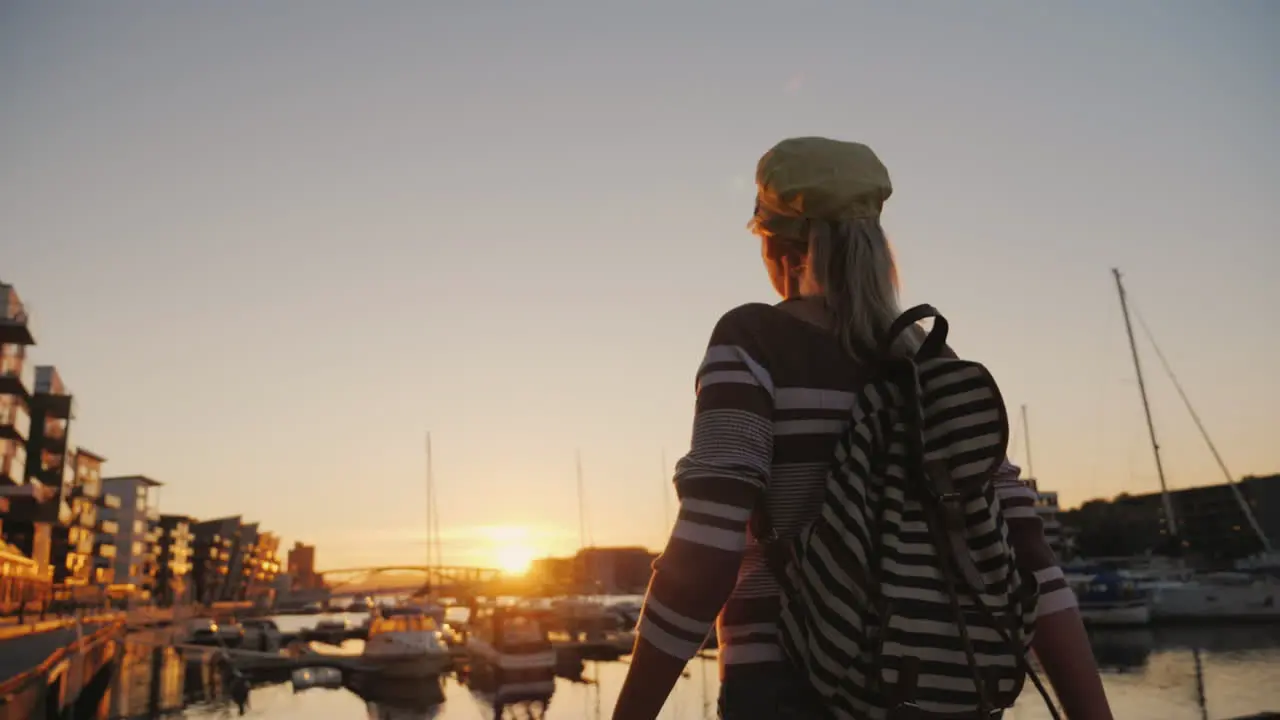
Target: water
[1149, 673]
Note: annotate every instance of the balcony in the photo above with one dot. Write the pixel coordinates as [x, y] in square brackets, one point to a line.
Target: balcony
[54, 438]
[53, 392]
[15, 420]
[15, 325]
[13, 463]
[17, 377]
[88, 513]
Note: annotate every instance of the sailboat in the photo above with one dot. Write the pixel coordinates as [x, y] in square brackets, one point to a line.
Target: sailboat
[1105, 598]
[588, 626]
[405, 642]
[1177, 593]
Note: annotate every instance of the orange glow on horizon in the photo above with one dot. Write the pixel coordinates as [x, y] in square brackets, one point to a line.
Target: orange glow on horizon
[512, 548]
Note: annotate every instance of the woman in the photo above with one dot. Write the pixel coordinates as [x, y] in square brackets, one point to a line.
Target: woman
[774, 390]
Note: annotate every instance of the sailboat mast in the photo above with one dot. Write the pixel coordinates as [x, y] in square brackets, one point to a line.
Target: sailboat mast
[1026, 440]
[1204, 433]
[1146, 408]
[435, 521]
[582, 509]
[431, 506]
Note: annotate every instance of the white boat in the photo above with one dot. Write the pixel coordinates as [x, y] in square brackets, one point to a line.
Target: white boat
[407, 644]
[510, 655]
[1216, 596]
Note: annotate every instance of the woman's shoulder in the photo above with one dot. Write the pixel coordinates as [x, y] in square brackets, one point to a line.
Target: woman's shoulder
[748, 315]
[753, 324]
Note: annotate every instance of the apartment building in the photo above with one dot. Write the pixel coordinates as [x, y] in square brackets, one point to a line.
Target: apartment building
[17, 382]
[92, 493]
[68, 517]
[136, 529]
[174, 560]
[215, 542]
[302, 567]
[604, 570]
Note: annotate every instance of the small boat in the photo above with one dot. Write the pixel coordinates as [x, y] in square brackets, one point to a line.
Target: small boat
[593, 630]
[333, 622]
[511, 656]
[261, 634]
[206, 631]
[320, 677]
[406, 643]
[1108, 598]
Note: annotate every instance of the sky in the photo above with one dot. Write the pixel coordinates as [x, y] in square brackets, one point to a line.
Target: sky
[269, 246]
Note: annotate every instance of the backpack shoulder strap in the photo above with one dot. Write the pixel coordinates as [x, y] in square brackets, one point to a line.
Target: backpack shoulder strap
[935, 342]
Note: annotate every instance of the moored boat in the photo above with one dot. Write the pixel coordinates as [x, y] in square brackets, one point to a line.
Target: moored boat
[1108, 598]
[406, 643]
[1216, 596]
[510, 654]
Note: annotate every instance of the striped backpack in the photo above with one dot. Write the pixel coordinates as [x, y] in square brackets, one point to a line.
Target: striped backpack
[902, 599]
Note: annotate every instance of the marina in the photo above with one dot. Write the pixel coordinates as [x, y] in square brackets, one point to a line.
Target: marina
[339, 347]
[1158, 672]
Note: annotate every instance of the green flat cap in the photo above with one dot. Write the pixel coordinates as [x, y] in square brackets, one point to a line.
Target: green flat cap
[821, 179]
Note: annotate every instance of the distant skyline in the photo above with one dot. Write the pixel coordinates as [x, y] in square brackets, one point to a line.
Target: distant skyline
[270, 247]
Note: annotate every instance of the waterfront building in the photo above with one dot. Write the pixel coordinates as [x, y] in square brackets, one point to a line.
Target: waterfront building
[64, 519]
[302, 567]
[603, 570]
[22, 579]
[614, 570]
[89, 474]
[1213, 529]
[174, 560]
[242, 560]
[233, 561]
[135, 532]
[1048, 510]
[17, 382]
[267, 566]
[215, 542]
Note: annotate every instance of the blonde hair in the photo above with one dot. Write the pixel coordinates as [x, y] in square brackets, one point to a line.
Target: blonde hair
[853, 265]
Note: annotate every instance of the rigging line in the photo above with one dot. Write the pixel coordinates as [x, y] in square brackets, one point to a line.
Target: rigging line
[1222, 465]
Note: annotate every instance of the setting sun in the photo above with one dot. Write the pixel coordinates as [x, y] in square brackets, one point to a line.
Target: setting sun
[512, 549]
[514, 559]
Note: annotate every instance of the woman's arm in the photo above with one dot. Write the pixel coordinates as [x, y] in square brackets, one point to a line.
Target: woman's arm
[1064, 652]
[719, 483]
[1060, 642]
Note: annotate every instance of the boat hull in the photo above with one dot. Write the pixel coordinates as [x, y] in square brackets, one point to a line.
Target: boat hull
[1193, 601]
[407, 655]
[1132, 614]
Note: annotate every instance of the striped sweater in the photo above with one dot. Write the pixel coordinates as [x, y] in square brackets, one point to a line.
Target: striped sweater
[773, 395]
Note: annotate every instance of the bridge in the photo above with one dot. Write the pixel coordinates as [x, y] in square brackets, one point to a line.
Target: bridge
[438, 579]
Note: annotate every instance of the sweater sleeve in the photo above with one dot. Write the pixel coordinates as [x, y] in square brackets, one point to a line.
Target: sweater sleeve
[1026, 535]
[719, 483]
